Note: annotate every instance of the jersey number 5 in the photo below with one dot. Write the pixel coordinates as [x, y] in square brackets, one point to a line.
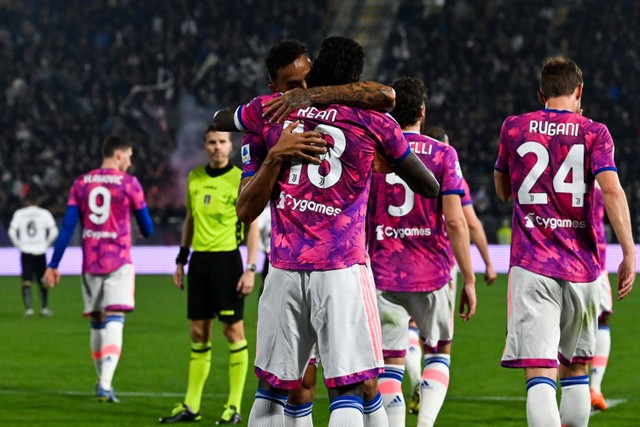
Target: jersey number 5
[573, 163]
[409, 196]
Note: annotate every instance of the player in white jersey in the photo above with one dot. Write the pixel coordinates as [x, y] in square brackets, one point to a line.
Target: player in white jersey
[32, 230]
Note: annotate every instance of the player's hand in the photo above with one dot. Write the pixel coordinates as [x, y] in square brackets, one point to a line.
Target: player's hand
[298, 146]
[626, 275]
[246, 283]
[380, 164]
[51, 277]
[178, 277]
[490, 275]
[280, 107]
[467, 308]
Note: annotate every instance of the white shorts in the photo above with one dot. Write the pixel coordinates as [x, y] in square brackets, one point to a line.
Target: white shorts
[432, 312]
[109, 292]
[549, 320]
[606, 301]
[335, 309]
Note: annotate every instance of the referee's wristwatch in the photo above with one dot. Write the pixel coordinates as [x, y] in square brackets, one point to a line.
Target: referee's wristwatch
[252, 267]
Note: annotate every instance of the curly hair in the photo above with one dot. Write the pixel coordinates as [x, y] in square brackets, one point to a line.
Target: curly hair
[559, 76]
[340, 61]
[411, 95]
[283, 54]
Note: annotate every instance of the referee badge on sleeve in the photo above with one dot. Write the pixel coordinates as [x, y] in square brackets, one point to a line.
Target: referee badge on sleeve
[246, 154]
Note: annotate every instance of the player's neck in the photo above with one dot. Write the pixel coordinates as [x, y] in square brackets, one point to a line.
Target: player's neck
[415, 128]
[109, 164]
[219, 165]
[562, 103]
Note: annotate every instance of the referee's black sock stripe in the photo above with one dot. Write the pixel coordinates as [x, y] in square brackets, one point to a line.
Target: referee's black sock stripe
[238, 350]
[201, 350]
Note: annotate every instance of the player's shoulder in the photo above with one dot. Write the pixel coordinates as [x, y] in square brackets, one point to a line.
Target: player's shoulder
[236, 170]
[234, 173]
[436, 144]
[197, 173]
[18, 213]
[592, 126]
[258, 101]
[378, 120]
[515, 118]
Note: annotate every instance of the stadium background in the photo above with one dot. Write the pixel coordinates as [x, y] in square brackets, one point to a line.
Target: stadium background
[74, 71]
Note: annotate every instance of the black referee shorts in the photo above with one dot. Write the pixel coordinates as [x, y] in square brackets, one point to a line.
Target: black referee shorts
[211, 286]
[33, 267]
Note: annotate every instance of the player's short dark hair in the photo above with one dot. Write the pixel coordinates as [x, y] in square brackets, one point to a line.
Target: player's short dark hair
[559, 76]
[340, 61]
[283, 54]
[32, 197]
[210, 128]
[435, 132]
[113, 143]
[411, 95]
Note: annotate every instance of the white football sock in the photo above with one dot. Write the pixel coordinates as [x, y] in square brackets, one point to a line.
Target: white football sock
[575, 404]
[600, 358]
[346, 411]
[111, 349]
[413, 358]
[433, 389]
[542, 408]
[267, 410]
[298, 415]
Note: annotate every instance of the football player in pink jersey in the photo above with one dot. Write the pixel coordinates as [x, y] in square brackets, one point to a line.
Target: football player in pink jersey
[547, 164]
[413, 359]
[412, 242]
[318, 188]
[288, 66]
[102, 200]
[476, 230]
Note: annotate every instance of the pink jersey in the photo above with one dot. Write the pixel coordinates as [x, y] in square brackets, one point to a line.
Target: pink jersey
[406, 233]
[598, 219]
[466, 198]
[104, 198]
[552, 158]
[318, 212]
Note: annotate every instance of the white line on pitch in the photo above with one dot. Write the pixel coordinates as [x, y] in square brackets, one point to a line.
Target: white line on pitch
[610, 402]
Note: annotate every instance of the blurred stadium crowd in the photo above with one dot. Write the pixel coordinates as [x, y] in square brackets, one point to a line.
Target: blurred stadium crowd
[74, 71]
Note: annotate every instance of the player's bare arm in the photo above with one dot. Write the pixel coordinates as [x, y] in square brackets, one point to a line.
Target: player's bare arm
[247, 280]
[223, 120]
[185, 242]
[617, 208]
[255, 191]
[458, 232]
[417, 176]
[503, 186]
[479, 238]
[369, 95]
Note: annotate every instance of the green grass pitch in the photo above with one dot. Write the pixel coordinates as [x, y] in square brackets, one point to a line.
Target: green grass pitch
[47, 377]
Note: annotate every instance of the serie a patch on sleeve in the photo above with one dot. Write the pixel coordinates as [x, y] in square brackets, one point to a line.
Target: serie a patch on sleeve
[246, 154]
